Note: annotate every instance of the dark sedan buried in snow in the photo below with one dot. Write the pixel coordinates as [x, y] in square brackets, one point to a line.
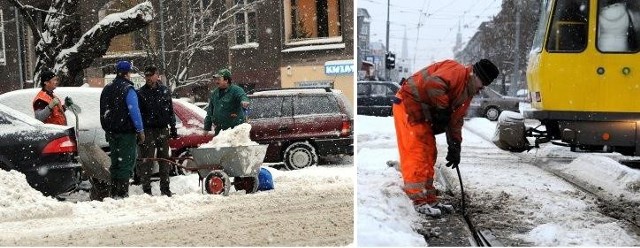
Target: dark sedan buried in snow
[45, 153]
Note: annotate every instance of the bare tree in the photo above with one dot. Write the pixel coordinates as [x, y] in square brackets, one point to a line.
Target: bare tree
[203, 28]
[58, 45]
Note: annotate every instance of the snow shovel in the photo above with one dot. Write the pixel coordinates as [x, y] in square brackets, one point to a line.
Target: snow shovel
[95, 164]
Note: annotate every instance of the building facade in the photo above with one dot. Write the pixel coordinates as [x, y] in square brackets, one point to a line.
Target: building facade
[266, 44]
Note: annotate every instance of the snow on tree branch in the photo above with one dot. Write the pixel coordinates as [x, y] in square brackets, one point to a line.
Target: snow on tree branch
[95, 42]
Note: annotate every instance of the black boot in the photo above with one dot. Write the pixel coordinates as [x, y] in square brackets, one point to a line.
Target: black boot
[124, 188]
[119, 188]
[166, 191]
[147, 191]
[114, 189]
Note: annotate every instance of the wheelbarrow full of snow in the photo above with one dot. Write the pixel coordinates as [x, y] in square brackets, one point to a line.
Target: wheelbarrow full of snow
[216, 166]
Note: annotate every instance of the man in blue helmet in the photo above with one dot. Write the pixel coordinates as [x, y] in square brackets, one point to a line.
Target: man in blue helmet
[122, 122]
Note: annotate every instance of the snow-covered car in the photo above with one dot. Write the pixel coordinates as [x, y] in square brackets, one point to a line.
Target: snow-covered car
[45, 153]
[189, 118]
[301, 124]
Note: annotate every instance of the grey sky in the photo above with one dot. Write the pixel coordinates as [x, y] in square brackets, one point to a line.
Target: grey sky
[439, 25]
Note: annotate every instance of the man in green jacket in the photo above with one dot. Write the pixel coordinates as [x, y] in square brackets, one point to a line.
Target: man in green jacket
[226, 104]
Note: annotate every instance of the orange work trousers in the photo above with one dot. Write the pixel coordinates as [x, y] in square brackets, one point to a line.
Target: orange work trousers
[417, 146]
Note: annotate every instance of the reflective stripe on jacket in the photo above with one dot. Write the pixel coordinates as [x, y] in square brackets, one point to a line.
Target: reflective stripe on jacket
[444, 85]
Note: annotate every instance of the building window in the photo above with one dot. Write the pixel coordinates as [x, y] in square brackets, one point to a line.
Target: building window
[245, 21]
[3, 58]
[201, 16]
[312, 19]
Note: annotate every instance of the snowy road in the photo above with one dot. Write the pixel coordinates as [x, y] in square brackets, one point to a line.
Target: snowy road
[309, 207]
[522, 203]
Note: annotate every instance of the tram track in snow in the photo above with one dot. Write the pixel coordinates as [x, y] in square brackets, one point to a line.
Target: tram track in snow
[615, 207]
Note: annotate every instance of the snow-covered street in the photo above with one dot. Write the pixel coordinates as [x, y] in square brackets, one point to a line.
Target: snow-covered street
[309, 207]
[521, 198]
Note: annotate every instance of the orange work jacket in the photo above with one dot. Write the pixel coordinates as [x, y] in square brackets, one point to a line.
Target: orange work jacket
[445, 85]
[57, 114]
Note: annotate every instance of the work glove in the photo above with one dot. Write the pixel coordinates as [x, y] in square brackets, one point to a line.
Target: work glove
[173, 133]
[140, 137]
[68, 102]
[54, 102]
[453, 155]
[440, 120]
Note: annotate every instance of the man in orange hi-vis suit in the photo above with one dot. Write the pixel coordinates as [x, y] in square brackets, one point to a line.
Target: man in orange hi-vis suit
[432, 101]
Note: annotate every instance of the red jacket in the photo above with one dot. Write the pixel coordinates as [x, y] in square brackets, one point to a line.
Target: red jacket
[441, 86]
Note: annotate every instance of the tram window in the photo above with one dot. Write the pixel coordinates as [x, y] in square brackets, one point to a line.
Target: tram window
[569, 29]
[618, 26]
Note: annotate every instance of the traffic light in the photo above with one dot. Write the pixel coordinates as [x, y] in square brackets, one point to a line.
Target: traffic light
[390, 60]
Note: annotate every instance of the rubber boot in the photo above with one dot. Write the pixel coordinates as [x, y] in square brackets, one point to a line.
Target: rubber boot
[166, 191]
[115, 189]
[147, 190]
[124, 188]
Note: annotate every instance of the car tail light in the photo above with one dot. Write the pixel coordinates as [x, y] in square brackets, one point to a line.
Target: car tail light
[60, 145]
[346, 128]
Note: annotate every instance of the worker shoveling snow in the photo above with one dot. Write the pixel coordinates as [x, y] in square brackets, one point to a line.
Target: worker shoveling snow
[237, 136]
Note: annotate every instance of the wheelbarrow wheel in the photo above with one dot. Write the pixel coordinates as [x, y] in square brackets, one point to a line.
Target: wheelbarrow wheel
[217, 182]
[248, 184]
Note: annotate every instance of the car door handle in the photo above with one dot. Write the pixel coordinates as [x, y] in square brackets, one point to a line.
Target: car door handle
[283, 128]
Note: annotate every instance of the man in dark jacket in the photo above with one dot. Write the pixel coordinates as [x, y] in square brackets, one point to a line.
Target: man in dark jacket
[160, 123]
[120, 118]
[226, 104]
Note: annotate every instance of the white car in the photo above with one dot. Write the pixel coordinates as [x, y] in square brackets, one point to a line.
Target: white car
[189, 118]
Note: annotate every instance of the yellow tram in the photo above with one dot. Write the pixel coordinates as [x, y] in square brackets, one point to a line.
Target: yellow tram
[583, 74]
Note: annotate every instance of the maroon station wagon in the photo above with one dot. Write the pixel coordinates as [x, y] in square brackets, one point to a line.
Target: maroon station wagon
[301, 124]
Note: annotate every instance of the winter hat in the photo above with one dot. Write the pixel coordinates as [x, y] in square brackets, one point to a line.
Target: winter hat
[225, 73]
[486, 71]
[46, 75]
[123, 66]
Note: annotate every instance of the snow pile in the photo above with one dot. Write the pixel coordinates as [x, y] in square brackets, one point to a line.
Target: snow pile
[237, 136]
[385, 214]
[606, 174]
[19, 201]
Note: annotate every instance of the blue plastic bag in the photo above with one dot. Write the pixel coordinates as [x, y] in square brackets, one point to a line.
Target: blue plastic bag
[265, 180]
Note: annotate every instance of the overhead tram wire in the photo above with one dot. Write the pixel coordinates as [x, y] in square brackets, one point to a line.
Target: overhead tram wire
[413, 64]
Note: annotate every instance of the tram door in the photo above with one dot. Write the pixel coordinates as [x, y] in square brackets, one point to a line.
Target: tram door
[618, 43]
[569, 76]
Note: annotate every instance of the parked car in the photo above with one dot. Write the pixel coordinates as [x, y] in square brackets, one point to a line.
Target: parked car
[301, 124]
[489, 104]
[375, 97]
[45, 153]
[189, 118]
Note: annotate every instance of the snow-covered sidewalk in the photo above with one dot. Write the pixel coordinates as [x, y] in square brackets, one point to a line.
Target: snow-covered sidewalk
[28, 218]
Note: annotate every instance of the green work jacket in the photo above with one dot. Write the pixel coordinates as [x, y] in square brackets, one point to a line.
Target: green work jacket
[225, 108]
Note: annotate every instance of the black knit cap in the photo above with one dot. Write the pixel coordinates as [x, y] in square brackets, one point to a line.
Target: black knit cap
[46, 75]
[486, 71]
